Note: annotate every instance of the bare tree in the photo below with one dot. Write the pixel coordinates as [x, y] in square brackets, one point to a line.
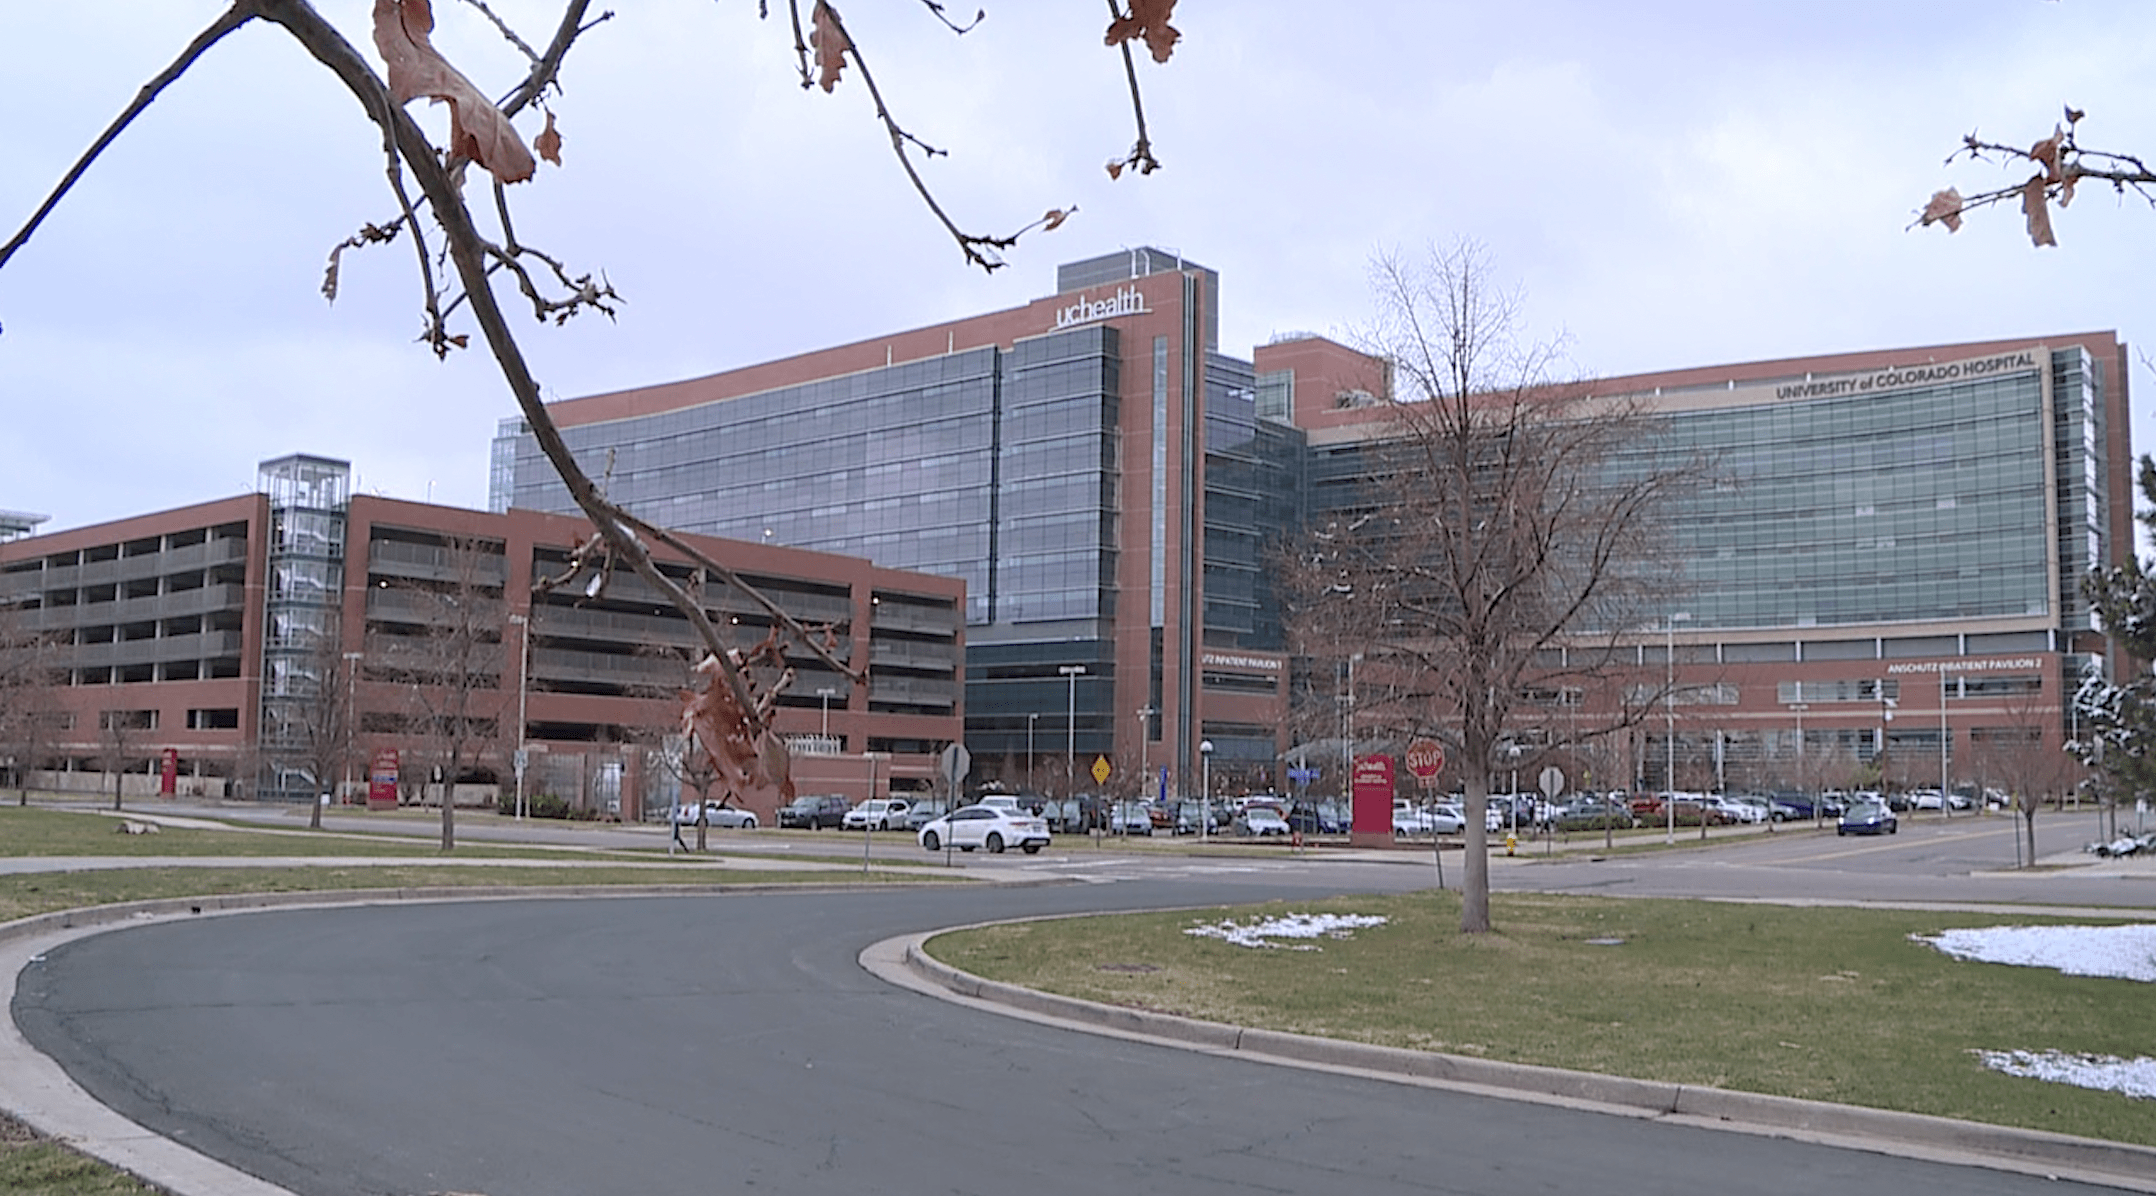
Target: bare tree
[119, 745]
[1504, 548]
[442, 640]
[2060, 163]
[30, 672]
[327, 735]
[2034, 772]
[482, 134]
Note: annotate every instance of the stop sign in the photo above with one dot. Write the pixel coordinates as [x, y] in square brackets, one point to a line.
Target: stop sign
[1426, 758]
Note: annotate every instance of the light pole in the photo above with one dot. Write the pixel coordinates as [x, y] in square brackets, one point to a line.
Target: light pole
[524, 664]
[351, 717]
[1070, 758]
[1669, 710]
[1145, 763]
[1946, 805]
[1798, 709]
[1030, 720]
[1886, 715]
[825, 693]
[1205, 778]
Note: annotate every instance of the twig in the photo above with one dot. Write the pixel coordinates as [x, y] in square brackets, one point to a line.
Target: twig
[232, 18]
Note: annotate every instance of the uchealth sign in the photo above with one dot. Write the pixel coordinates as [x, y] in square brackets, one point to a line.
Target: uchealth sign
[1373, 796]
[1127, 301]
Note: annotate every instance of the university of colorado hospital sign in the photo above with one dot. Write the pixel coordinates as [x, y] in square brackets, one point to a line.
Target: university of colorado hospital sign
[1127, 301]
[1902, 377]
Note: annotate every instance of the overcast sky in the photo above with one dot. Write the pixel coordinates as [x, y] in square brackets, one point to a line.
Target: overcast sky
[1671, 184]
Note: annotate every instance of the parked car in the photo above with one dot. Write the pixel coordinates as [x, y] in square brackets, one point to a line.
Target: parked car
[925, 811]
[1593, 814]
[1190, 814]
[1317, 818]
[877, 813]
[813, 811]
[993, 827]
[1789, 808]
[1694, 810]
[1868, 818]
[1262, 821]
[712, 813]
[1743, 808]
[1130, 818]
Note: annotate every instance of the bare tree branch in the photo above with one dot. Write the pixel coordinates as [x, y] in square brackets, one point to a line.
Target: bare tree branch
[239, 14]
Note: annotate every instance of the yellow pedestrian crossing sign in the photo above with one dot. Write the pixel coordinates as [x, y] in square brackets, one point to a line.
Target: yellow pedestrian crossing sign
[1100, 770]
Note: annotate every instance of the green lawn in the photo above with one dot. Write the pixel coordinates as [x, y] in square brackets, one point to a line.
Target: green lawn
[1824, 1004]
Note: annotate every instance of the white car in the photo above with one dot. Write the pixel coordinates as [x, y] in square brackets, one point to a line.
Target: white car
[877, 813]
[1261, 821]
[992, 827]
[726, 817]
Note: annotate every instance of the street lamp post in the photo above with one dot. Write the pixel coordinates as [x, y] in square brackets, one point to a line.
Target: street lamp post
[1205, 778]
[524, 664]
[1070, 758]
[825, 693]
[1031, 787]
[1798, 709]
[1669, 711]
[1145, 763]
[351, 717]
[1946, 804]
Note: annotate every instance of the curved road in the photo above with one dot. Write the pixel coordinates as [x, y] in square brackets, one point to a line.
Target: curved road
[692, 1044]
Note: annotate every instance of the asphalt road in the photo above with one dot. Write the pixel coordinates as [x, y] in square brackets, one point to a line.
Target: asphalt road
[732, 1043]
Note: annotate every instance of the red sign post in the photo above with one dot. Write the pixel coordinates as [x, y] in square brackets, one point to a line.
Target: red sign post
[168, 772]
[1373, 800]
[382, 780]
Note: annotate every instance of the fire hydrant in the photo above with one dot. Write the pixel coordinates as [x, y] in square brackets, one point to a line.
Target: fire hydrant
[1512, 842]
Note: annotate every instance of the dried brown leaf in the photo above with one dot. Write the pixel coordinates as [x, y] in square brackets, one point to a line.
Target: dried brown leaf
[1054, 219]
[1148, 19]
[2066, 186]
[1115, 169]
[1944, 208]
[329, 277]
[477, 129]
[2046, 153]
[746, 759]
[548, 143]
[830, 42]
[2037, 211]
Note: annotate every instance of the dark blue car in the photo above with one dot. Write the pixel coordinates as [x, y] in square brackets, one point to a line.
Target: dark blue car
[1868, 818]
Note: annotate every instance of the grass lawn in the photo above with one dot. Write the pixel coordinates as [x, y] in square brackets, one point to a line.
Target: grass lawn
[30, 1164]
[33, 831]
[1824, 1004]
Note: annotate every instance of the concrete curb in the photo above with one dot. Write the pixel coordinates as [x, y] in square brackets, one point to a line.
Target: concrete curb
[905, 962]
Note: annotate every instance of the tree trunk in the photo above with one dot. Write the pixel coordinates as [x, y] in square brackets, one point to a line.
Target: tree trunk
[449, 804]
[2028, 824]
[1475, 883]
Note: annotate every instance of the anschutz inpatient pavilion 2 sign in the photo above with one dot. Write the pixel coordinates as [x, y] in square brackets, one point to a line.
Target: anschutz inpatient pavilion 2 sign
[1904, 377]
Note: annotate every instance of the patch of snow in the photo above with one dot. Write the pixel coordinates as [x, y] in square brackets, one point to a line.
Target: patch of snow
[2126, 952]
[2134, 1077]
[1287, 926]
